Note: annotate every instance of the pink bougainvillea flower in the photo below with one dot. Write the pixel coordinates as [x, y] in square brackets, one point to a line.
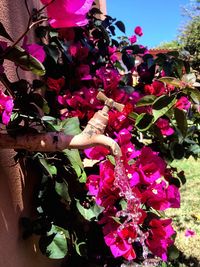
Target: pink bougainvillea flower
[101, 186]
[162, 196]
[114, 54]
[109, 78]
[189, 233]
[156, 88]
[67, 33]
[160, 237]
[93, 184]
[83, 72]
[138, 31]
[128, 149]
[164, 127]
[55, 84]
[150, 165]
[183, 103]
[119, 246]
[97, 152]
[34, 50]
[133, 39]
[67, 13]
[6, 107]
[79, 52]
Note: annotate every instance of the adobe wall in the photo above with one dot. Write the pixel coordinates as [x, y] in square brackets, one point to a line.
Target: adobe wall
[16, 186]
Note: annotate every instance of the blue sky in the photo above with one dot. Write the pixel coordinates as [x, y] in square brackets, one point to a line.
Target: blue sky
[160, 19]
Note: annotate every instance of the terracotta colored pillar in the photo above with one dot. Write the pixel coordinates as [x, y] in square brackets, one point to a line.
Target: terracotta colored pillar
[101, 4]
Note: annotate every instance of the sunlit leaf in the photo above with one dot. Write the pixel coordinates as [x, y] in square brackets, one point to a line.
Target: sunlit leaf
[171, 81]
[76, 162]
[189, 78]
[71, 126]
[146, 100]
[50, 169]
[89, 213]
[162, 105]
[54, 245]
[62, 190]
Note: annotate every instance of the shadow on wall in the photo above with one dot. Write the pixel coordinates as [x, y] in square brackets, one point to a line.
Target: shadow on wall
[16, 201]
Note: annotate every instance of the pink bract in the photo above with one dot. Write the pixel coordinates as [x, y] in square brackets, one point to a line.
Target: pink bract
[189, 233]
[6, 107]
[34, 50]
[161, 196]
[164, 127]
[183, 103]
[119, 246]
[160, 237]
[97, 152]
[156, 88]
[133, 39]
[67, 13]
[138, 31]
[150, 165]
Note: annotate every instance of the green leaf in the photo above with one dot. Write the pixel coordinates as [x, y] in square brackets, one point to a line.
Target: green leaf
[173, 252]
[120, 25]
[144, 121]
[133, 115]
[71, 126]
[181, 120]
[76, 162]
[54, 245]
[128, 60]
[182, 177]
[51, 170]
[146, 100]
[4, 33]
[171, 81]
[173, 54]
[111, 159]
[194, 93]
[177, 150]
[189, 78]
[195, 149]
[62, 190]
[162, 105]
[91, 213]
[27, 62]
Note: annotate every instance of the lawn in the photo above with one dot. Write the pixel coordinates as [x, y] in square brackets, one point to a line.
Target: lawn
[188, 216]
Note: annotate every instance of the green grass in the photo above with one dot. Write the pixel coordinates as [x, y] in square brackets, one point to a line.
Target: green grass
[188, 216]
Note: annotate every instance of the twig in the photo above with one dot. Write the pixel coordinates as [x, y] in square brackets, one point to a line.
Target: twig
[30, 26]
[27, 8]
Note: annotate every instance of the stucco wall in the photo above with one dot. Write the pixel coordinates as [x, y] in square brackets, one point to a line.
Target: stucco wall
[16, 186]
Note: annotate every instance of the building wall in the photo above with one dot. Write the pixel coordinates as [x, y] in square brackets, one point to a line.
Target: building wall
[17, 183]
